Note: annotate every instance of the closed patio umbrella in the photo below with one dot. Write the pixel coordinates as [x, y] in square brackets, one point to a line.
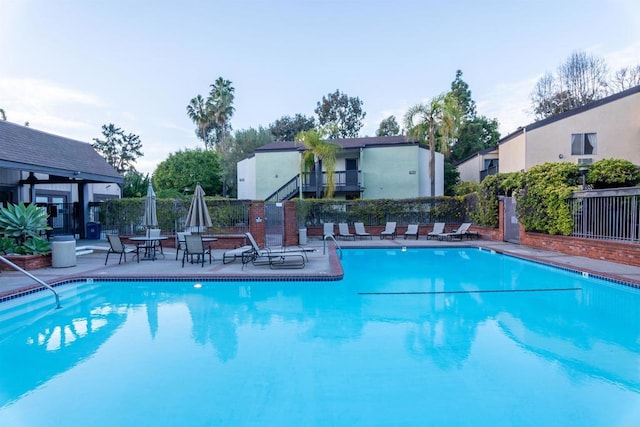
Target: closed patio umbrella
[198, 215]
[150, 209]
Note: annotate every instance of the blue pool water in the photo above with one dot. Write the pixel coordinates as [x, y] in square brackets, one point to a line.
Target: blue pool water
[408, 338]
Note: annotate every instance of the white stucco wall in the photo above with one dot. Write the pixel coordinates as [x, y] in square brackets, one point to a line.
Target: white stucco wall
[246, 179]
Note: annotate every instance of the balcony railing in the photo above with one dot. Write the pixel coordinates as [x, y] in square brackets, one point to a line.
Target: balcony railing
[489, 171]
[343, 180]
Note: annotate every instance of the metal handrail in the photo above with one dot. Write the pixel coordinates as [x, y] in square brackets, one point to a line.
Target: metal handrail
[9, 263]
[324, 248]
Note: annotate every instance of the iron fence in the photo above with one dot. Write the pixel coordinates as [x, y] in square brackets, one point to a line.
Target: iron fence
[607, 214]
[126, 216]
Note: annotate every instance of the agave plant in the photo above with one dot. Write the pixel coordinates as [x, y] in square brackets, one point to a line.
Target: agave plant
[24, 223]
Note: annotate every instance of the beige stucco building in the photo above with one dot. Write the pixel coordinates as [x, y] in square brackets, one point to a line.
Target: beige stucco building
[605, 129]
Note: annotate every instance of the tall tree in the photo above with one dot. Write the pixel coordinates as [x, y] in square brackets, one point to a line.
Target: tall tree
[198, 111]
[119, 149]
[319, 150]
[181, 170]
[625, 78]
[437, 123]
[460, 90]
[581, 79]
[287, 128]
[343, 115]
[388, 127]
[475, 135]
[3, 116]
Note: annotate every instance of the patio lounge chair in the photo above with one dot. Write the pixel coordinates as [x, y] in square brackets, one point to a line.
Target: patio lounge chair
[360, 231]
[117, 247]
[194, 247]
[459, 233]
[294, 257]
[233, 254]
[438, 229]
[343, 231]
[327, 230]
[412, 230]
[389, 230]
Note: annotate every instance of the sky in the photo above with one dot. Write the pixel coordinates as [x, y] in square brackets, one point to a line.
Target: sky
[70, 66]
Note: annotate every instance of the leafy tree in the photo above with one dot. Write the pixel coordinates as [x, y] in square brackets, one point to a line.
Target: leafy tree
[460, 89]
[135, 184]
[388, 127]
[476, 132]
[120, 150]
[318, 150]
[181, 170]
[451, 178]
[625, 78]
[341, 115]
[475, 135]
[581, 79]
[436, 123]
[287, 128]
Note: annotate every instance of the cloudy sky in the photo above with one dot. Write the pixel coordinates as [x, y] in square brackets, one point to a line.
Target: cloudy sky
[70, 66]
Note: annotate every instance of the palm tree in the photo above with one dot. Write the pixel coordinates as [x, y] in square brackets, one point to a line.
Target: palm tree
[318, 150]
[437, 122]
[198, 111]
[221, 102]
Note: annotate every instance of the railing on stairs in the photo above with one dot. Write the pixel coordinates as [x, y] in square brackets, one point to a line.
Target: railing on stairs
[26, 273]
[287, 191]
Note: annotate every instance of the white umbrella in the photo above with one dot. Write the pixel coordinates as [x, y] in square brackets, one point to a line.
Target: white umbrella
[150, 209]
[198, 215]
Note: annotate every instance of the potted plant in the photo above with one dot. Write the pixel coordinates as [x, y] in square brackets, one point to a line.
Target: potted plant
[21, 227]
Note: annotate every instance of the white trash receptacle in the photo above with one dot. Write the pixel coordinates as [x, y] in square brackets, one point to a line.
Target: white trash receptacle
[302, 236]
[63, 251]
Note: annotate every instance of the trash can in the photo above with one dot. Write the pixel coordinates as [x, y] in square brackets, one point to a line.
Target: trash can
[63, 251]
[302, 236]
[93, 231]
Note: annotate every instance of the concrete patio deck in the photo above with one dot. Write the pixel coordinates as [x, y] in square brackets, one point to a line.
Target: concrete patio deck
[323, 264]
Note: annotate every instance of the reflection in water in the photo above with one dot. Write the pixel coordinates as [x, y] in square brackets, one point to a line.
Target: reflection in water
[431, 320]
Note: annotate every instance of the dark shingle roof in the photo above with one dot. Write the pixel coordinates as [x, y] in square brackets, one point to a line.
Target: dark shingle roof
[347, 143]
[32, 150]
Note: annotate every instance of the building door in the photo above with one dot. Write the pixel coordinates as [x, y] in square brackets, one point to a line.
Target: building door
[351, 168]
[60, 213]
[511, 224]
[274, 224]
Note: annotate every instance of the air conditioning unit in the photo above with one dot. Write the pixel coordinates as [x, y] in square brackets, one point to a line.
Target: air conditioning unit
[585, 162]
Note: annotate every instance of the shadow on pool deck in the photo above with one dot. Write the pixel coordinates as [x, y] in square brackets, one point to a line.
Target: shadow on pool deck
[323, 264]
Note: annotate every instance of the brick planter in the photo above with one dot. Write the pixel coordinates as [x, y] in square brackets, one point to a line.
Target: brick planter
[28, 262]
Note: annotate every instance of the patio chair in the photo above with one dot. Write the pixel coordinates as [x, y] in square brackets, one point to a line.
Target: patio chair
[343, 231]
[389, 231]
[412, 230]
[360, 231]
[327, 230]
[180, 241]
[459, 233]
[294, 257]
[194, 247]
[438, 229]
[154, 232]
[117, 247]
[233, 254]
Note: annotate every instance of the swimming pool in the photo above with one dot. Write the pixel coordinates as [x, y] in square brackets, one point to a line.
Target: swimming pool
[415, 337]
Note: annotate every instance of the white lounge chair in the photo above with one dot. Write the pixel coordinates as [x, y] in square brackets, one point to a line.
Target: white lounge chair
[459, 233]
[412, 230]
[343, 231]
[360, 231]
[389, 231]
[327, 230]
[438, 229]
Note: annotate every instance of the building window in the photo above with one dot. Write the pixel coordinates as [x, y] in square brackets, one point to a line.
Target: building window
[583, 143]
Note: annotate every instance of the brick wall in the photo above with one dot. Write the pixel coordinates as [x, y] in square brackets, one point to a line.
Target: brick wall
[256, 222]
[290, 224]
